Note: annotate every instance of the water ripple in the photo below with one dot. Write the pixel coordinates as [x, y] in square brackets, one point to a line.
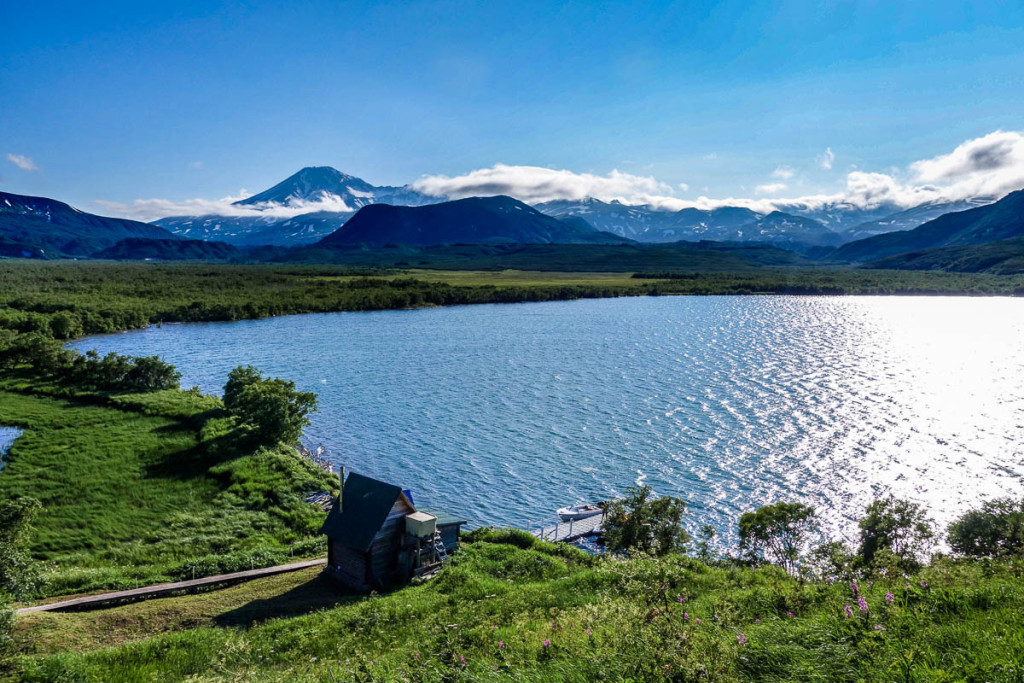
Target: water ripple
[502, 413]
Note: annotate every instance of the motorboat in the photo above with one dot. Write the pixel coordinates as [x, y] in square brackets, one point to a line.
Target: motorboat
[574, 513]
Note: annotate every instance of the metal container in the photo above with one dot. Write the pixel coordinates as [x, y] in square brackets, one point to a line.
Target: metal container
[420, 524]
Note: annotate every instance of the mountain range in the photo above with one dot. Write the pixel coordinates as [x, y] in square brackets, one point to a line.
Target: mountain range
[999, 221]
[39, 227]
[333, 197]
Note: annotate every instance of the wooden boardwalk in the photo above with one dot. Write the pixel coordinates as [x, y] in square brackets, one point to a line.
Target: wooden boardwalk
[566, 532]
[165, 588]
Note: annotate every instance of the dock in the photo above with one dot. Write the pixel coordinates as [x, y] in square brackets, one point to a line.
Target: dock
[567, 532]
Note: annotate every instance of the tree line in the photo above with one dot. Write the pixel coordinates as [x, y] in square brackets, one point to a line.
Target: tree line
[895, 534]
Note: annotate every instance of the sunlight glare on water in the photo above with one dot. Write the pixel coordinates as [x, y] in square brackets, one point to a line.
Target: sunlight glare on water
[504, 413]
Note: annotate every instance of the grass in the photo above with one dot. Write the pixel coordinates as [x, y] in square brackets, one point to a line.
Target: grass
[137, 489]
[490, 612]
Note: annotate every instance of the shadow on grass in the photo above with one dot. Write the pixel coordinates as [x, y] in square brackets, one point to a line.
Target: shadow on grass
[319, 593]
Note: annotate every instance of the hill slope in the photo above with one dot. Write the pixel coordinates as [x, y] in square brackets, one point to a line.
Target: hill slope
[999, 221]
[139, 248]
[477, 220]
[43, 227]
[1002, 257]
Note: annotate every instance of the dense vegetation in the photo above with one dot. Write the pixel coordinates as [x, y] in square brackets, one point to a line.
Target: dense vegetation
[138, 488]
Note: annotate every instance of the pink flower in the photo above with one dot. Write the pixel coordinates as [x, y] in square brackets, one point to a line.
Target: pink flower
[590, 634]
[547, 642]
[924, 584]
[848, 610]
[854, 588]
[686, 615]
[879, 627]
[790, 615]
[697, 620]
[889, 598]
[742, 639]
[862, 604]
[501, 644]
[757, 621]
[680, 599]
[462, 660]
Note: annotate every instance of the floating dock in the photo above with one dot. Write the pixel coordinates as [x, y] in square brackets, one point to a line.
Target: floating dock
[567, 532]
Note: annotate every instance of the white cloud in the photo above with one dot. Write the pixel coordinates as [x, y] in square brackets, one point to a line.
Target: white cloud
[154, 209]
[783, 172]
[770, 188]
[195, 164]
[23, 162]
[988, 166]
[684, 187]
[536, 184]
[826, 159]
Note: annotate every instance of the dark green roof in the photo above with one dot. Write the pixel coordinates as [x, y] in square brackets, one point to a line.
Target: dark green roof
[444, 519]
[367, 503]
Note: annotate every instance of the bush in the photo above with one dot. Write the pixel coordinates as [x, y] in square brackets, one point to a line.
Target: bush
[776, 533]
[272, 409]
[643, 522]
[18, 574]
[996, 529]
[898, 526]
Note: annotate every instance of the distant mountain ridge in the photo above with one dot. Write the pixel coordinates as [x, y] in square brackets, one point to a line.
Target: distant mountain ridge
[333, 197]
[646, 224]
[999, 221]
[43, 227]
[476, 220]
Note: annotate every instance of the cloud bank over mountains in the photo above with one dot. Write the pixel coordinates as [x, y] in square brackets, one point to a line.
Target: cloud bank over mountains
[988, 166]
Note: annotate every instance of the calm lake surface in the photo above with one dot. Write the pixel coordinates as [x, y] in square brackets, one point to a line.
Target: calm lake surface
[503, 413]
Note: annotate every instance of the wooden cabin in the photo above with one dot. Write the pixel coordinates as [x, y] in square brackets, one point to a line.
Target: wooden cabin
[376, 537]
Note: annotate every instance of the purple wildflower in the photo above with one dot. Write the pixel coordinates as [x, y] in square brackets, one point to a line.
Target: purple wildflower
[757, 621]
[848, 610]
[462, 660]
[862, 603]
[790, 615]
[590, 634]
[741, 639]
[889, 598]
[547, 642]
[854, 588]
[501, 644]
[686, 615]
[680, 599]
[879, 627]
[924, 584]
[697, 620]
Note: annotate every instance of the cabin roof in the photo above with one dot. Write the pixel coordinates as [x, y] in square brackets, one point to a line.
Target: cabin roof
[444, 519]
[366, 504]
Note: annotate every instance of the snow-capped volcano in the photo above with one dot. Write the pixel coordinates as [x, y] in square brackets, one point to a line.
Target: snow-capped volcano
[329, 186]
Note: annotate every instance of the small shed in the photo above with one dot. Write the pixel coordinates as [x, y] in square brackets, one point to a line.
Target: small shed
[376, 536]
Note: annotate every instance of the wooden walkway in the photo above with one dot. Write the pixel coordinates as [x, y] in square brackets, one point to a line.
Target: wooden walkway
[164, 588]
[566, 532]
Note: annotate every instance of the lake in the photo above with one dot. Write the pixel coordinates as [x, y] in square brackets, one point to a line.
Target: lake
[503, 413]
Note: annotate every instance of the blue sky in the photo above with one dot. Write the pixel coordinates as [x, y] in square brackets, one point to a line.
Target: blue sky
[119, 101]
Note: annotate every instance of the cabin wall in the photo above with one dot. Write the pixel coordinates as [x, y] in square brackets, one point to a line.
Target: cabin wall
[450, 536]
[348, 566]
[384, 551]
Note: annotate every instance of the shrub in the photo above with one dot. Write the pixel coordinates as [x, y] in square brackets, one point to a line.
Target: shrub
[898, 526]
[777, 533]
[997, 528]
[643, 522]
[272, 409]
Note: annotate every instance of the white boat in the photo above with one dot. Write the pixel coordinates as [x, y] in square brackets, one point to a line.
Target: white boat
[578, 512]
